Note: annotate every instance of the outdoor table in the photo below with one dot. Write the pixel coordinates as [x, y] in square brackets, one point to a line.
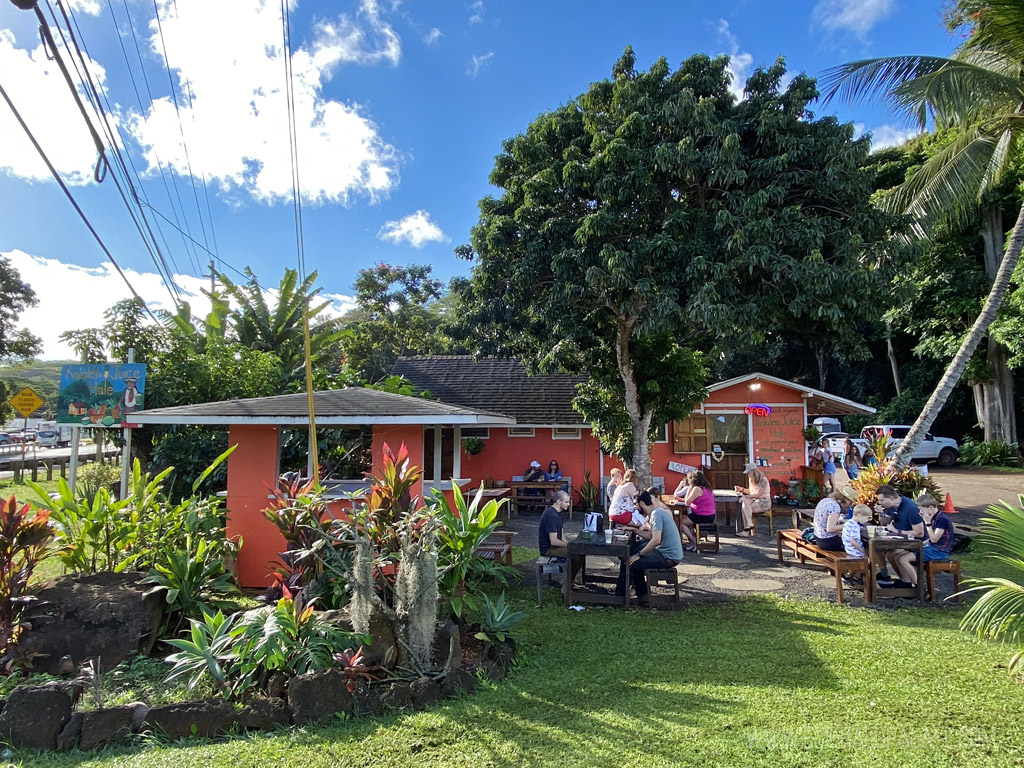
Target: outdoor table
[522, 500]
[887, 543]
[677, 508]
[728, 499]
[492, 493]
[595, 546]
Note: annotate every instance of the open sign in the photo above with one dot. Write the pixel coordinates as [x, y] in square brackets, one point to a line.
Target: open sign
[756, 409]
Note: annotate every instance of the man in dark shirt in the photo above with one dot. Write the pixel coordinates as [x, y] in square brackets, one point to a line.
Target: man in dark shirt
[550, 541]
[906, 520]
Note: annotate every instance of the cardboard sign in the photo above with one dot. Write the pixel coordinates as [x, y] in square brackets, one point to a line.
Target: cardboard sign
[683, 469]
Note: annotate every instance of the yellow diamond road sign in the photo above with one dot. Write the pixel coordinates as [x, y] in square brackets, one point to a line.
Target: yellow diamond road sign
[26, 402]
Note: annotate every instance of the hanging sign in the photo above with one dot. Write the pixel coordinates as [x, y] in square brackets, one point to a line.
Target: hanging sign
[756, 409]
[103, 395]
[685, 469]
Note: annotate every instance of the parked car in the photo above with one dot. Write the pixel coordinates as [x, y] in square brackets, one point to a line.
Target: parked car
[944, 450]
[28, 436]
[5, 439]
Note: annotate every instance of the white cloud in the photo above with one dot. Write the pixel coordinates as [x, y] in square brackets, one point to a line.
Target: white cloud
[476, 63]
[39, 91]
[890, 136]
[91, 7]
[740, 62]
[345, 39]
[433, 36]
[856, 16]
[231, 54]
[476, 9]
[88, 291]
[416, 229]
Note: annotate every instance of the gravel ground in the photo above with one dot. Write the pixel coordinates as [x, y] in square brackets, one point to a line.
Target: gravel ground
[742, 567]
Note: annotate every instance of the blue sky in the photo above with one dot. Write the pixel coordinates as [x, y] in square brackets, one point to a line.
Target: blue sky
[401, 108]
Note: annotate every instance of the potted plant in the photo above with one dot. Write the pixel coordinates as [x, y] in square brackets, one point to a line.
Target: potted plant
[811, 433]
[588, 493]
[472, 445]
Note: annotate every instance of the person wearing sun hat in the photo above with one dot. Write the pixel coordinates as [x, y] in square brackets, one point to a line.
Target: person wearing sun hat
[829, 516]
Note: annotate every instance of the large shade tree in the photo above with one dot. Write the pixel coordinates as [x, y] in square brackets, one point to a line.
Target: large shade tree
[15, 297]
[976, 94]
[654, 218]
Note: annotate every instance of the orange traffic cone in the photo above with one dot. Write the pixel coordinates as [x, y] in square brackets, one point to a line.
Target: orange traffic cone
[949, 509]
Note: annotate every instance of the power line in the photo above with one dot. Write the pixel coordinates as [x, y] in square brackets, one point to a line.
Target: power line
[71, 199]
[149, 92]
[136, 213]
[177, 111]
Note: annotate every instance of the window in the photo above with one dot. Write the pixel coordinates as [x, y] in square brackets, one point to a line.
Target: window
[565, 433]
[691, 435]
[662, 436]
[729, 430]
[898, 433]
[520, 431]
[482, 432]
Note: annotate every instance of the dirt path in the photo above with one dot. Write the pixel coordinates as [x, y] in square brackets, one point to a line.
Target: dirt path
[973, 490]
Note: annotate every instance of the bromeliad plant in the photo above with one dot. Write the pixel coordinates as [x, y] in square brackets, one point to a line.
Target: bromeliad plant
[241, 652]
[24, 539]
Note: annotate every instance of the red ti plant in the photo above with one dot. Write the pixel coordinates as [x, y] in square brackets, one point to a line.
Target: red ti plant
[23, 544]
[300, 513]
[390, 501]
[354, 668]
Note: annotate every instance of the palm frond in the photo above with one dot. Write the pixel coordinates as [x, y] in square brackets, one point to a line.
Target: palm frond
[999, 612]
[949, 184]
[878, 78]
[960, 92]
[999, 25]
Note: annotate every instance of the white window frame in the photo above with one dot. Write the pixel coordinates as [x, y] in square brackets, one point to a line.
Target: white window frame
[566, 433]
[521, 432]
[484, 432]
[658, 439]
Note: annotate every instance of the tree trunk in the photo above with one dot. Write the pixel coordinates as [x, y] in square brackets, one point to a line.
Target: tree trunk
[892, 360]
[821, 354]
[994, 395]
[638, 419]
[970, 343]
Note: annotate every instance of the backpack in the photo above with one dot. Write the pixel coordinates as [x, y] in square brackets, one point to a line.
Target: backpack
[808, 535]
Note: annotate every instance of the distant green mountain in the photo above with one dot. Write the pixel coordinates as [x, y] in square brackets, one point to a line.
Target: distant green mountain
[43, 376]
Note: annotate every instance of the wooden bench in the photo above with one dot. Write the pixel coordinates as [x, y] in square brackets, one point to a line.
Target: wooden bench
[703, 533]
[942, 566]
[497, 547]
[836, 562]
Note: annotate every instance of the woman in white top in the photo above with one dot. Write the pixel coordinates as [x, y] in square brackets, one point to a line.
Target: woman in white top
[756, 496]
[623, 509]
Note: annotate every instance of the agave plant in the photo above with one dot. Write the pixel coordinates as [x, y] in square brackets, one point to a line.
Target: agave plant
[999, 612]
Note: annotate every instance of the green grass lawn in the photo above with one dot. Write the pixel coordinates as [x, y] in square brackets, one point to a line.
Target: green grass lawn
[22, 492]
[759, 681]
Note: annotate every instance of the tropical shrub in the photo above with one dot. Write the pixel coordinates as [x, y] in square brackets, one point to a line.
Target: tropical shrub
[908, 481]
[23, 542]
[589, 493]
[998, 613]
[497, 620]
[241, 652]
[462, 529]
[394, 569]
[95, 476]
[990, 453]
[314, 561]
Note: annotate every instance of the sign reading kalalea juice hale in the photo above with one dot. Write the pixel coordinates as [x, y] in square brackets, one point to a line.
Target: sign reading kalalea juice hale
[103, 395]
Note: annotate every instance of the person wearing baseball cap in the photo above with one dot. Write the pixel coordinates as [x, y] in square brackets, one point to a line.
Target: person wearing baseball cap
[533, 473]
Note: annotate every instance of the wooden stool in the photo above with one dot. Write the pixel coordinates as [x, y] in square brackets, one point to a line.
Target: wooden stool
[703, 531]
[549, 566]
[942, 566]
[668, 576]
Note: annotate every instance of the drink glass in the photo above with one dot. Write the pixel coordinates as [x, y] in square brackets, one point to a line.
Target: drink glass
[607, 535]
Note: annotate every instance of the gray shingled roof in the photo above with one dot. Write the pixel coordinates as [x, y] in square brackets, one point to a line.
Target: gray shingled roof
[498, 385]
[355, 405]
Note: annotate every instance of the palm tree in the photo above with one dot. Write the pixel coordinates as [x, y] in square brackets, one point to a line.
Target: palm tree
[280, 330]
[977, 93]
[999, 612]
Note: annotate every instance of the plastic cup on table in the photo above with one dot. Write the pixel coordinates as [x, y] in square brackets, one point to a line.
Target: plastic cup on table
[607, 535]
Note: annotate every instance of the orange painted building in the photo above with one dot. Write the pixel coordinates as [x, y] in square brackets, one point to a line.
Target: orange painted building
[518, 419]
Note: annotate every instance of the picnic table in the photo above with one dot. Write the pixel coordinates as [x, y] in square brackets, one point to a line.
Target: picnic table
[492, 493]
[535, 496]
[887, 543]
[596, 547]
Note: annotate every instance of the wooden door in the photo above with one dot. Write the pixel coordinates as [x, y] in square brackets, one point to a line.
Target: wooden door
[729, 472]
[691, 435]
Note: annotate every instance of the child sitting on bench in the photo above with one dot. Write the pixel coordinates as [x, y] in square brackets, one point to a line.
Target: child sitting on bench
[938, 544]
[853, 531]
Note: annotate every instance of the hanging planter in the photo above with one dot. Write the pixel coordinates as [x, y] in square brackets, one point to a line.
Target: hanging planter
[472, 445]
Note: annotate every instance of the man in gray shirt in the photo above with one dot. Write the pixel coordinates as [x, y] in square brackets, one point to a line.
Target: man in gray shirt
[658, 546]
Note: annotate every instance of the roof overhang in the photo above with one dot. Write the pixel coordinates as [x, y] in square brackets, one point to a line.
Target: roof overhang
[481, 420]
[819, 403]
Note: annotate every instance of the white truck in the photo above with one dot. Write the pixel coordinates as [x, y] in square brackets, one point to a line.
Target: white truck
[943, 450]
[53, 435]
